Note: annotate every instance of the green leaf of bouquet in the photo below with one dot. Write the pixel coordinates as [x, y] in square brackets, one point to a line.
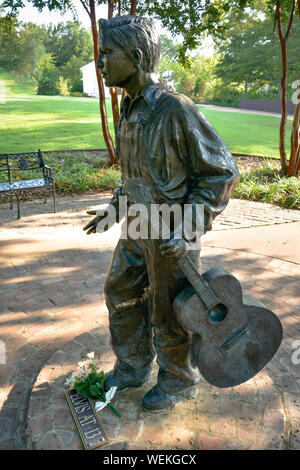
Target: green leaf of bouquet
[94, 377]
[83, 390]
[94, 390]
[101, 381]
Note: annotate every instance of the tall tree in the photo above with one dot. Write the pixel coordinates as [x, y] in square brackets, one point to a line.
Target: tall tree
[286, 10]
[90, 8]
[66, 40]
[250, 54]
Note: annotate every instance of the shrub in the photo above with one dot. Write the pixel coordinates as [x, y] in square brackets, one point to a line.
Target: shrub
[267, 185]
[63, 86]
[78, 93]
[47, 76]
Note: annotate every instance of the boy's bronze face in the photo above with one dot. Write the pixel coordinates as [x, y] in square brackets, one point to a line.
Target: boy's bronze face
[115, 66]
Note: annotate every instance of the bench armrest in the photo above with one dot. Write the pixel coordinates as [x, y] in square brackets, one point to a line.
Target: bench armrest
[47, 172]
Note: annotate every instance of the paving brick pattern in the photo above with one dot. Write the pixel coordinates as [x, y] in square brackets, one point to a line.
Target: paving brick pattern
[52, 311]
[244, 214]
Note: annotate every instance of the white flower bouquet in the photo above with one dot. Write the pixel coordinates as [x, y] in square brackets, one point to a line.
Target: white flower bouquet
[89, 383]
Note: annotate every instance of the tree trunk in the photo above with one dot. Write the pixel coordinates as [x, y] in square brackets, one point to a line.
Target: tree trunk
[283, 45]
[110, 9]
[283, 82]
[107, 137]
[133, 4]
[293, 167]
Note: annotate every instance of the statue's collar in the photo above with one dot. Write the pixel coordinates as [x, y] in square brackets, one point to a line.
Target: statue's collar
[152, 95]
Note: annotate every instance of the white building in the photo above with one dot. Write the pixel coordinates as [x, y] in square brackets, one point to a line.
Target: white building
[89, 79]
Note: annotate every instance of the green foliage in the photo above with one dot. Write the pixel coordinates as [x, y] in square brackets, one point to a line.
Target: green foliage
[71, 72]
[63, 86]
[24, 46]
[225, 94]
[47, 76]
[81, 173]
[67, 40]
[194, 79]
[192, 20]
[250, 55]
[266, 184]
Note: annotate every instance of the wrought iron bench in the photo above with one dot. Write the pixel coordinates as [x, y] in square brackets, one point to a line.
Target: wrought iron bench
[14, 165]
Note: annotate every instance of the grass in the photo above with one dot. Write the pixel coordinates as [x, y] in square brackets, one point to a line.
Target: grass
[250, 134]
[30, 122]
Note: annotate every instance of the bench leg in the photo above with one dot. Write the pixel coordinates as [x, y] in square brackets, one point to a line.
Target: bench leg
[18, 204]
[45, 197]
[54, 200]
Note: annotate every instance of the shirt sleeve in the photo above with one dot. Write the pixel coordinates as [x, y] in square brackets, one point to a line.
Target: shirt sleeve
[212, 171]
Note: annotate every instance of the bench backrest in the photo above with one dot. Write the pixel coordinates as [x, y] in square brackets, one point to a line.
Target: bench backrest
[22, 161]
[15, 162]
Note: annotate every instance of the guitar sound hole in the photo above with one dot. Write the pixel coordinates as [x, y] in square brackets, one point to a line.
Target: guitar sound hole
[218, 313]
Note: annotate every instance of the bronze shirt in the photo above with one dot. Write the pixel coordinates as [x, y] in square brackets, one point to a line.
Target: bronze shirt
[163, 137]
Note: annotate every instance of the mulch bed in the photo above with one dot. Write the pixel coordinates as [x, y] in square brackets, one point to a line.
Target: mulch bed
[247, 163]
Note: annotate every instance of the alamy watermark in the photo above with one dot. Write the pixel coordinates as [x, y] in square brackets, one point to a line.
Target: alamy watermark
[295, 95]
[2, 353]
[296, 353]
[161, 221]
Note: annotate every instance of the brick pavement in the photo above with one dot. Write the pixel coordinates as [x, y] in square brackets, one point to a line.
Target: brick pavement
[52, 310]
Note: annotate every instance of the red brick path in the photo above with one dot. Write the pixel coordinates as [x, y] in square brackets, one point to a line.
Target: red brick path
[52, 310]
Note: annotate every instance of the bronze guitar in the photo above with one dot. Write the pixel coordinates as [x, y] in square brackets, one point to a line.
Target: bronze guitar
[232, 340]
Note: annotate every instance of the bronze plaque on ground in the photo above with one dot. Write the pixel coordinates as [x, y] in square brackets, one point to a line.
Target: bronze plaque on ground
[88, 424]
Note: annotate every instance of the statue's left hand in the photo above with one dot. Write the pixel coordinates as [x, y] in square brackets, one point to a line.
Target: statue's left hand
[174, 248]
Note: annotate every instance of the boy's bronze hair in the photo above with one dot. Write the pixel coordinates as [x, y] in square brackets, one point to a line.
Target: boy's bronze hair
[131, 33]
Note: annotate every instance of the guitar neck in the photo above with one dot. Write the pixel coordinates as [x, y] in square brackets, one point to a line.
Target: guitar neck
[201, 287]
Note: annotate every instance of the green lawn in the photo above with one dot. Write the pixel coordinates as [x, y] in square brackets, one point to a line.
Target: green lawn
[252, 134]
[29, 122]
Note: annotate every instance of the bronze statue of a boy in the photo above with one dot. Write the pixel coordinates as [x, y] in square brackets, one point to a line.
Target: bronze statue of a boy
[163, 138]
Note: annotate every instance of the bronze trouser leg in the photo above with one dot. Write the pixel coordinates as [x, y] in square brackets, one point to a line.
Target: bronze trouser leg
[136, 266]
[172, 343]
[127, 302]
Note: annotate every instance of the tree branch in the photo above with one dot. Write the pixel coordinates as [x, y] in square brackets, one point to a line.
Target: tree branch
[291, 20]
[279, 22]
[85, 7]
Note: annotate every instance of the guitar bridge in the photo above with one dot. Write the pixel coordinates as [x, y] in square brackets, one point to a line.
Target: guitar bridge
[234, 338]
